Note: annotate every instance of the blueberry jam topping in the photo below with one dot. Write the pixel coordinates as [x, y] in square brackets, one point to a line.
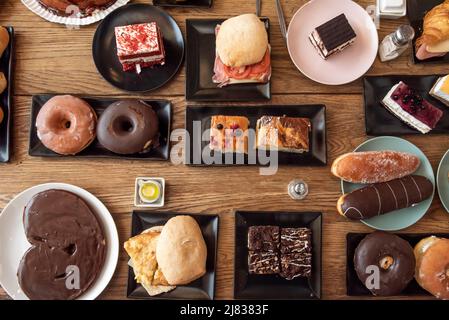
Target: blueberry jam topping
[411, 99]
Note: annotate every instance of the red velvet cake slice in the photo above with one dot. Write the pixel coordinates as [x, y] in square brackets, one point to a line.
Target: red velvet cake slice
[139, 46]
[410, 107]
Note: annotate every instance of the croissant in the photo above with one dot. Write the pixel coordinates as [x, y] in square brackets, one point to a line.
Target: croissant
[435, 36]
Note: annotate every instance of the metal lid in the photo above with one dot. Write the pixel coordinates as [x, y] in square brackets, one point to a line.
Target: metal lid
[403, 35]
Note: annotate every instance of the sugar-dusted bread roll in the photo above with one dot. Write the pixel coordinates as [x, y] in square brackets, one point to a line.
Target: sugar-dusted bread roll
[4, 39]
[374, 166]
[181, 251]
[381, 198]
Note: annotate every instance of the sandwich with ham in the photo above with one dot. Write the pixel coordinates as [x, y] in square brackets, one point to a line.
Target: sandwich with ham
[242, 51]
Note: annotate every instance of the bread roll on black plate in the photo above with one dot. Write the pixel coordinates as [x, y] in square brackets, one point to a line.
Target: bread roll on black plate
[381, 198]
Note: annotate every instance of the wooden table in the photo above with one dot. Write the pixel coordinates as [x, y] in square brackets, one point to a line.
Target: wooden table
[53, 59]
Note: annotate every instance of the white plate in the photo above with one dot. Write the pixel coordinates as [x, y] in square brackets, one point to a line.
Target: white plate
[343, 67]
[14, 244]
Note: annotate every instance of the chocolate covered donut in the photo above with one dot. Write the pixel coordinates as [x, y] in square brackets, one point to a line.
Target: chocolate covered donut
[66, 238]
[391, 257]
[66, 124]
[128, 126]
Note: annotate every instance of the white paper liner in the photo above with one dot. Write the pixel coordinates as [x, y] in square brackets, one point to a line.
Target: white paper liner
[48, 15]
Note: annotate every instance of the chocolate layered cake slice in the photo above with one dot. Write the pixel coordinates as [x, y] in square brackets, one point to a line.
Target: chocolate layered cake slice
[140, 46]
[263, 262]
[296, 240]
[410, 107]
[333, 36]
[294, 265]
[263, 238]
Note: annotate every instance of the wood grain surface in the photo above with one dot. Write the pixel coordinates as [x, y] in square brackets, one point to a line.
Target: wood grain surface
[53, 59]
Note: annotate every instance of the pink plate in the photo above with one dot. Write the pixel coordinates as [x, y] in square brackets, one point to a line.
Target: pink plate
[342, 67]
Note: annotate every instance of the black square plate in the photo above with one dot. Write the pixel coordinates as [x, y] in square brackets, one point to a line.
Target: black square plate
[273, 287]
[6, 66]
[96, 150]
[200, 289]
[416, 10]
[200, 67]
[185, 3]
[317, 155]
[379, 121]
[354, 287]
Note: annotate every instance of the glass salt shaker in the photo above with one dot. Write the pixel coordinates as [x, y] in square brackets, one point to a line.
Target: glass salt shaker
[393, 45]
[298, 189]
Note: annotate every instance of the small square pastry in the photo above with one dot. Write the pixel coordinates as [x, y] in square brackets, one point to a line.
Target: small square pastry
[283, 134]
[296, 240]
[229, 134]
[263, 238]
[333, 36]
[294, 265]
[139, 46]
[263, 262]
[410, 107]
[440, 90]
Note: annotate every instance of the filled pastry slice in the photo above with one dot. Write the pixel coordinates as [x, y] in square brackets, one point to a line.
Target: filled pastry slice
[229, 134]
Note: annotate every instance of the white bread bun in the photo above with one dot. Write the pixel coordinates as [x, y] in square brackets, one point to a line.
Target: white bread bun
[242, 41]
[4, 39]
[181, 251]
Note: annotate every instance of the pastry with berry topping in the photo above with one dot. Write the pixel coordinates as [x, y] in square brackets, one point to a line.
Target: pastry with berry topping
[410, 107]
[229, 134]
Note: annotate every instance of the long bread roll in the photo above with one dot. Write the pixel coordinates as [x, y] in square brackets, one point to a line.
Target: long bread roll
[374, 166]
[381, 198]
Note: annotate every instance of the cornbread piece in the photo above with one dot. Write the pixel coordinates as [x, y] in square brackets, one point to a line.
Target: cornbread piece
[333, 36]
[139, 46]
[295, 265]
[296, 240]
[263, 262]
[283, 134]
[142, 251]
[229, 134]
[263, 238]
[410, 107]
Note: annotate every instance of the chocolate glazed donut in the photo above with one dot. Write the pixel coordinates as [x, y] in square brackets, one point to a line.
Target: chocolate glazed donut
[128, 126]
[392, 256]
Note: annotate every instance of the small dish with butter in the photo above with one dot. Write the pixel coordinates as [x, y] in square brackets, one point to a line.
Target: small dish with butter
[149, 192]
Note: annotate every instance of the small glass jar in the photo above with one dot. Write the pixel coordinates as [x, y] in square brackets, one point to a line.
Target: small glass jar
[298, 189]
[394, 44]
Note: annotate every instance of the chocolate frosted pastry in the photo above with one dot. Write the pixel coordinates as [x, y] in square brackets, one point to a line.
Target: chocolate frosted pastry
[381, 198]
[263, 262]
[388, 256]
[295, 265]
[263, 238]
[66, 238]
[67, 7]
[296, 240]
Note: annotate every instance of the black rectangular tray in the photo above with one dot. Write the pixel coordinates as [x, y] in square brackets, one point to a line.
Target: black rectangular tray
[96, 150]
[354, 287]
[200, 289]
[6, 66]
[379, 121]
[273, 287]
[317, 155]
[200, 60]
[186, 3]
[416, 10]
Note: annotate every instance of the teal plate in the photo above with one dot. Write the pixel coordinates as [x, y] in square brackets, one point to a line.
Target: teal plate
[443, 181]
[399, 219]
